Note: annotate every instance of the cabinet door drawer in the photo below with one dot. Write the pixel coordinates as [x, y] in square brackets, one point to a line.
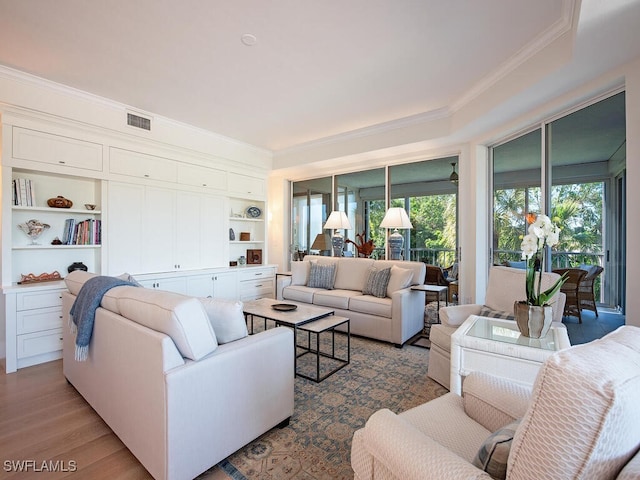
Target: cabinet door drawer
[256, 274]
[254, 289]
[29, 321]
[134, 164]
[202, 177]
[57, 150]
[31, 344]
[30, 301]
[246, 185]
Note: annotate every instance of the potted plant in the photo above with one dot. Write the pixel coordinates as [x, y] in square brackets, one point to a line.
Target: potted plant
[534, 316]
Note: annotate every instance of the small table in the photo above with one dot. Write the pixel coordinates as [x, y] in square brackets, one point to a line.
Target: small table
[316, 327]
[304, 315]
[497, 347]
[437, 289]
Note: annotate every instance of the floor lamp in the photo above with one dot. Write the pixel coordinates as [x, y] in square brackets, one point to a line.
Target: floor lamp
[337, 221]
[396, 218]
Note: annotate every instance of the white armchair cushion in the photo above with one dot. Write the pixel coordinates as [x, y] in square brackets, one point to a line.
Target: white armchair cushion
[455, 315]
[493, 401]
[227, 319]
[584, 417]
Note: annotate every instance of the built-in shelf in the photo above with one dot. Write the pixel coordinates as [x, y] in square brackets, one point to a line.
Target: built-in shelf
[53, 247]
[243, 219]
[74, 211]
[237, 242]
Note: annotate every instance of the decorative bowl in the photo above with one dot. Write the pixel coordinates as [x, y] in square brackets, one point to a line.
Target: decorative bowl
[60, 202]
[90, 206]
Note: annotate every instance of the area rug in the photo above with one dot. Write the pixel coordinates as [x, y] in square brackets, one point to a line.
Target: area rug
[317, 442]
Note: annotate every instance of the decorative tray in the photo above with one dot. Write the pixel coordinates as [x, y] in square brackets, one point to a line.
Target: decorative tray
[284, 307]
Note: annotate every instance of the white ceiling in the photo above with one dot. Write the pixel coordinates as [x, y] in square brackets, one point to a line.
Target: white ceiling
[319, 67]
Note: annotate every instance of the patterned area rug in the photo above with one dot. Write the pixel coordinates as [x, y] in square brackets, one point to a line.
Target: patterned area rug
[317, 442]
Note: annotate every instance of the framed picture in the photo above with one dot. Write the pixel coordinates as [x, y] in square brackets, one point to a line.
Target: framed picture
[254, 257]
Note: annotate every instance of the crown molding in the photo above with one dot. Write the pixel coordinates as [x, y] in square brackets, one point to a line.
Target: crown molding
[34, 81]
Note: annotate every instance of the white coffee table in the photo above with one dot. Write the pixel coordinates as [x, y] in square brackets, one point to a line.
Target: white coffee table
[496, 346]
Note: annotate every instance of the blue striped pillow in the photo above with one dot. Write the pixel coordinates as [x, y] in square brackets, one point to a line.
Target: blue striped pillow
[377, 282]
[322, 276]
[488, 312]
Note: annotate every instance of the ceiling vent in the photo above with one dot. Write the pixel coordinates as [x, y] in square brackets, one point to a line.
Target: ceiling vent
[138, 121]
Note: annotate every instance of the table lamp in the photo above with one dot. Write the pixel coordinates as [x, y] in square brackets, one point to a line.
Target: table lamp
[337, 221]
[396, 217]
[322, 243]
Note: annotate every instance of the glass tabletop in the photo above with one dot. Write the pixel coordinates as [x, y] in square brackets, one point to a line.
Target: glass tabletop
[506, 331]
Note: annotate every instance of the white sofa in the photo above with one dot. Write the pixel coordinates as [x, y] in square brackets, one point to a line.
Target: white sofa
[506, 285]
[395, 318]
[581, 420]
[156, 373]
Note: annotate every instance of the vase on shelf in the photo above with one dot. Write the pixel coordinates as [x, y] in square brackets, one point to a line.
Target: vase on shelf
[33, 229]
[533, 321]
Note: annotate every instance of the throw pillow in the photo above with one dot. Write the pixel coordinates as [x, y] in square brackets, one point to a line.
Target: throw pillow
[400, 278]
[494, 452]
[488, 312]
[322, 276]
[300, 273]
[377, 282]
[226, 318]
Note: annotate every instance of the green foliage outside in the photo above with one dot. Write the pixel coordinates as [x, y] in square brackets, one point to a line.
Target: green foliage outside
[576, 209]
[434, 225]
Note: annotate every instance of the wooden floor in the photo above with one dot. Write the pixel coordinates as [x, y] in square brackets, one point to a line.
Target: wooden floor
[44, 419]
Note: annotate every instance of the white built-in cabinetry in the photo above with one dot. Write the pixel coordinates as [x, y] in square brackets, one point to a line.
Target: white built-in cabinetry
[165, 220]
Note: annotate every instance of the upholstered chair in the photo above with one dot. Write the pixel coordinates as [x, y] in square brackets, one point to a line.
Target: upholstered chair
[580, 420]
[506, 286]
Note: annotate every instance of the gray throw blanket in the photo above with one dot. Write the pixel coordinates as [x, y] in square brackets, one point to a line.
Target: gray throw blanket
[83, 311]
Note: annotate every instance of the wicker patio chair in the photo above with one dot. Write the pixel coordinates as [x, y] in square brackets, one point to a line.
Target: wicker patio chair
[586, 293]
[570, 289]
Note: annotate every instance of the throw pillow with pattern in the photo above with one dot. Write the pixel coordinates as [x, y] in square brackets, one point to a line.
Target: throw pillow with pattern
[494, 452]
[322, 276]
[489, 312]
[377, 282]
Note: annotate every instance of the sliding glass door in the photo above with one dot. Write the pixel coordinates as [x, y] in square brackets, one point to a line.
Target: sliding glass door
[570, 169]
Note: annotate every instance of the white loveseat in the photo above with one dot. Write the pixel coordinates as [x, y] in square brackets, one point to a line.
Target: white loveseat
[157, 375]
[506, 285]
[581, 420]
[395, 317]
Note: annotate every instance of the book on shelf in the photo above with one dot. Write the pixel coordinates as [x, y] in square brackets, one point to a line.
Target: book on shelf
[85, 232]
[24, 192]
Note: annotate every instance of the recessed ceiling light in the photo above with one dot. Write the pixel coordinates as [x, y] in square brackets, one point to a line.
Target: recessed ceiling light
[248, 39]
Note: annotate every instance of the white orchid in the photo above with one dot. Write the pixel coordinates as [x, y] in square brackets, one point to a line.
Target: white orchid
[542, 233]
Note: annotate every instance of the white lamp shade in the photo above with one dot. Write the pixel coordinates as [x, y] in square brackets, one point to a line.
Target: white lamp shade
[396, 217]
[338, 221]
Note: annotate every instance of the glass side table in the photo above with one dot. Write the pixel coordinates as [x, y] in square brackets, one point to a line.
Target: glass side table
[497, 347]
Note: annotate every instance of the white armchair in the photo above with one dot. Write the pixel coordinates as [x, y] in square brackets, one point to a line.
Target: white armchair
[581, 420]
[506, 285]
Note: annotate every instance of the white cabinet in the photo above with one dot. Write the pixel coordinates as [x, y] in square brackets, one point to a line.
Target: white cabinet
[196, 176]
[256, 282]
[33, 324]
[141, 165]
[225, 285]
[164, 230]
[31, 145]
[125, 237]
[170, 284]
[246, 186]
